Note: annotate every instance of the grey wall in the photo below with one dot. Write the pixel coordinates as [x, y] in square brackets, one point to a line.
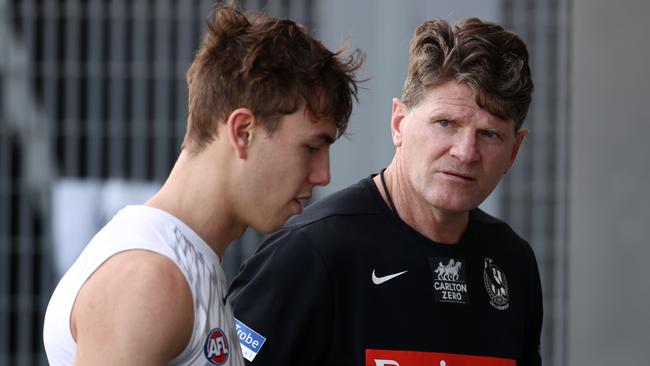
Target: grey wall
[609, 227]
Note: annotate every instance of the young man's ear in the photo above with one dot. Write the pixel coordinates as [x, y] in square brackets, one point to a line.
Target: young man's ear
[398, 113]
[239, 128]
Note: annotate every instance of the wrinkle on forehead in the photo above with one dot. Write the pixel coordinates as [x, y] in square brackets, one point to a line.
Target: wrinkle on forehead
[457, 101]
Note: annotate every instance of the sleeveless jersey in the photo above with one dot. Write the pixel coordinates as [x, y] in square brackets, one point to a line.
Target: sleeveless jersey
[213, 340]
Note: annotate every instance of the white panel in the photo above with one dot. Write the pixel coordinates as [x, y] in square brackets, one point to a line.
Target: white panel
[80, 207]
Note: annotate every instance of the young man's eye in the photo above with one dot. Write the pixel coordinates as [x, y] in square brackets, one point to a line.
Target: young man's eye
[312, 149]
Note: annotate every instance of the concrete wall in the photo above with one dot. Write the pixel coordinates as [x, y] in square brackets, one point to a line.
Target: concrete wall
[609, 224]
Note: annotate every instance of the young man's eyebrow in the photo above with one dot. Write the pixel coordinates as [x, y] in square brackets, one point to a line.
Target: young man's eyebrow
[326, 138]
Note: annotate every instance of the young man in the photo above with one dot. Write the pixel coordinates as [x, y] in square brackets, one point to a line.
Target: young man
[402, 268]
[266, 100]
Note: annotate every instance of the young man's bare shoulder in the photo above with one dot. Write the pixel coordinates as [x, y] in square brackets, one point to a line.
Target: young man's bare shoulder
[140, 302]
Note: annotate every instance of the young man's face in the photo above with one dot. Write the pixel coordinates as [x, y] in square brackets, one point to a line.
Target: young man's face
[286, 166]
[452, 152]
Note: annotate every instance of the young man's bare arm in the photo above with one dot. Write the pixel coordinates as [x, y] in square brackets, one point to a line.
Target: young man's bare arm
[136, 309]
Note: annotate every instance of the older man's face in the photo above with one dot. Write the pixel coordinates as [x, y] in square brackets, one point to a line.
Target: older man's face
[453, 152]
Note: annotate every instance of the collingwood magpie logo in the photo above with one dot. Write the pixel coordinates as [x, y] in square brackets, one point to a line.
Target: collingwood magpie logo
[496, 285]
[449, 283]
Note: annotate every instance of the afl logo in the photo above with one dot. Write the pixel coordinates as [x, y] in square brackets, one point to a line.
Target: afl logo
[496, 285]
[216, 347]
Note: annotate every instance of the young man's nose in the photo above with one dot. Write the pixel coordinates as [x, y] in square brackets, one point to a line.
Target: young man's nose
[320, 174]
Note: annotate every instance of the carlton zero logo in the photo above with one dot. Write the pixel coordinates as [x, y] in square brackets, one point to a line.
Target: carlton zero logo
[380, 357]
[216, 347]
[449, 283]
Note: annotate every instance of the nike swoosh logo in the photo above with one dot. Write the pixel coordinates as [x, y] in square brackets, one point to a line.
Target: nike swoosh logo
[379, 280]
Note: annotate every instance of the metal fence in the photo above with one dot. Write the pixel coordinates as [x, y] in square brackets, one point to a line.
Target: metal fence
[535, 192]
[90, 89]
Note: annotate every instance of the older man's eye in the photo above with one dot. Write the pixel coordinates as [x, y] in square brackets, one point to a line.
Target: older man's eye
[491, 134]
[444, 122]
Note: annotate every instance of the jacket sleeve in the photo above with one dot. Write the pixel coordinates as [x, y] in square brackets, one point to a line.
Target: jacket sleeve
[283, 292]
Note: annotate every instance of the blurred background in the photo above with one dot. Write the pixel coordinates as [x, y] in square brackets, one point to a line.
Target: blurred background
[93, 107]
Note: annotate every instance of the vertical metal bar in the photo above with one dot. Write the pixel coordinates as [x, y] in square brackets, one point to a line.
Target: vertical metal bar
[24, 248]
[51, 99]
[50, 44]
[185, 41]
[25, 299]
[525, 170]
[541, 210]
[517, 183]
[140, 74]
[95, 80]
[71, 69]
[117, 75]
[161, 117]
[503, 191]
[172, 84]
[42, 286]
[542, 172]
[5, 161]
[561, 252]
[47, 285]
[5, 173]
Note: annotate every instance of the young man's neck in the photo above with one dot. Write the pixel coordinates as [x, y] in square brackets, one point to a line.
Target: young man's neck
[200, 200]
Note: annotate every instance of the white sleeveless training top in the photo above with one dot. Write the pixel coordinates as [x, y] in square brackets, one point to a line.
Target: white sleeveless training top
[214, 338]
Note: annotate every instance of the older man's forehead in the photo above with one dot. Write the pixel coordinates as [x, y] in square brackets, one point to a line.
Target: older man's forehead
[455, 102]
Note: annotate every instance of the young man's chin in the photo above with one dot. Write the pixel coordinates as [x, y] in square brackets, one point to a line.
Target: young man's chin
[270, 227]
